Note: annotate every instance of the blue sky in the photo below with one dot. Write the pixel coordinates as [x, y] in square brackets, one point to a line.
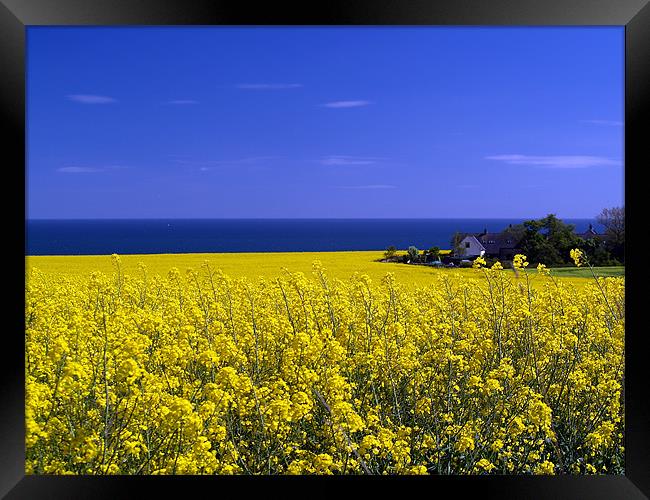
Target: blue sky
[308, 122]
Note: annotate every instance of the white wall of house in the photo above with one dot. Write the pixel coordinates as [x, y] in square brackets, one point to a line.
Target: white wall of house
[470, 247]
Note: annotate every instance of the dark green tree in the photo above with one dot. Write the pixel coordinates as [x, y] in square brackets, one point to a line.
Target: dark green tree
[548, 241]
[413, 254]
[455, 244]
[597, 253]
[390, 252]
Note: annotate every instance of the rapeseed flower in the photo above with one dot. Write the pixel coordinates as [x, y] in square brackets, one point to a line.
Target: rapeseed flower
[201, 373]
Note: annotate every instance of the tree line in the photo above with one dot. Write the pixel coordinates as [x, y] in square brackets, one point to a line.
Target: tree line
[413, 255]
[549, 240]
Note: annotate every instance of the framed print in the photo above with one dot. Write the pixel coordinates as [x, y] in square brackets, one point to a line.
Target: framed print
[327, 241]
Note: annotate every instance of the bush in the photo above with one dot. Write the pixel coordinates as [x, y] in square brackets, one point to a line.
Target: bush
[413, 254]
[390, 252]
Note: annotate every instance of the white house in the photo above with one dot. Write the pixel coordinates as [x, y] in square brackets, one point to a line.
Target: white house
[470, 246]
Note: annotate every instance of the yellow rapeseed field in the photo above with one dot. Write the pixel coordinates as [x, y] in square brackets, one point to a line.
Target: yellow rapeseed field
[231, 368]
[253, 265]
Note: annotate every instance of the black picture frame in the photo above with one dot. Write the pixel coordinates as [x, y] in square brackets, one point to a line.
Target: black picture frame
[634, 15]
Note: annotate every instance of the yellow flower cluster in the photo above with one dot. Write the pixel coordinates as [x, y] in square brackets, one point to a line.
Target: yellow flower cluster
[478, 263]
[519, 261]
[577, 256]
[203, 374]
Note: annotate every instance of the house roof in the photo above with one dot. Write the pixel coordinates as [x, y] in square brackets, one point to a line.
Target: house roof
[493, 242]
[589, 233]
[473, 236]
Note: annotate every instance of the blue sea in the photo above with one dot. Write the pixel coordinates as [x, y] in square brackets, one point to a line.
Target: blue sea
[146, 236]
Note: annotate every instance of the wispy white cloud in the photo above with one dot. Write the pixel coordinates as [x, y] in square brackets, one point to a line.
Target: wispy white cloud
[568, 161]
[183, 101]
[346, 104]
[251, 159]
[610, 123]
[370, 186]
[269, 86]
[89, 169]
[349, 160]
[91, 99]
[205, 165]
[79, 170]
